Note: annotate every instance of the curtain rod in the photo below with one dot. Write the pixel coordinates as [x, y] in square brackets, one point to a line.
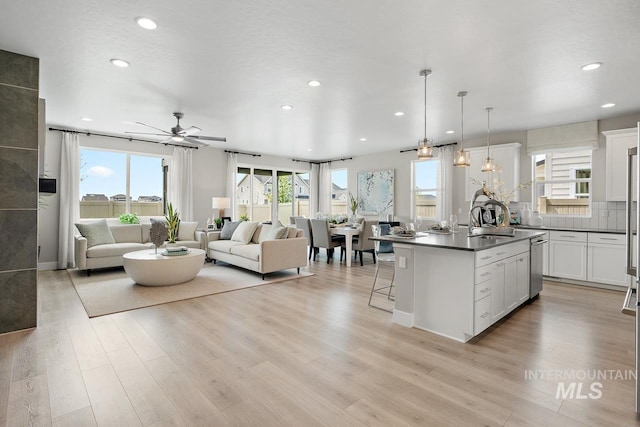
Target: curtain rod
[324, 161]
[240, 152]
[434, 146]
[119, 137]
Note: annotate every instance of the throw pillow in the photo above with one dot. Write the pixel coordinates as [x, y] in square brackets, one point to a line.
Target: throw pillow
[228, 229]
[187, 230]
[244, 232]
[96, 233]
[277, 233]
[291, 232]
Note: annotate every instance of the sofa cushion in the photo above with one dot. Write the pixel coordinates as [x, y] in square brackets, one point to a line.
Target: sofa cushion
[127, 233]
[292, 232]
[244, 232]
[96, 233]
[223, 245]
[227, 229]
[256, 234]
[115, 249]
[261, 234]
[146, 232]
[187, 230]
[250, 251]
[277, 233]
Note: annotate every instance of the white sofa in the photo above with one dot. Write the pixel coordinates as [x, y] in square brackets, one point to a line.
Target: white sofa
[128, 238]
[260, 255]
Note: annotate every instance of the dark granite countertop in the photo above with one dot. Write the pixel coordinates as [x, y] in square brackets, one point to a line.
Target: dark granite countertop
[461, 240]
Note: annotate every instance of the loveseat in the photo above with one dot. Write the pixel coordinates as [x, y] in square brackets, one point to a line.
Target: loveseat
[127, 238]
[261, 251]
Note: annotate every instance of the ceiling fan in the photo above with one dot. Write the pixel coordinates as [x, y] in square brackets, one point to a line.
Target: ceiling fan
[179, 136]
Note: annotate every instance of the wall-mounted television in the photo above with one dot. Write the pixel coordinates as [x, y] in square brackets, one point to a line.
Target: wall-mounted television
[47, 185]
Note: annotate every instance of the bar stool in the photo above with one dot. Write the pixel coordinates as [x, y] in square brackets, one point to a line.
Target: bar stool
[383, 252]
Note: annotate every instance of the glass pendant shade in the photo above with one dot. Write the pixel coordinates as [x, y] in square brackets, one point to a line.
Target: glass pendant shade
[425, 150]
[461, 158]
[488, 164]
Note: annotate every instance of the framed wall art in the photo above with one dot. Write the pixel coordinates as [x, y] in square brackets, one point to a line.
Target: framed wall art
[375, 192]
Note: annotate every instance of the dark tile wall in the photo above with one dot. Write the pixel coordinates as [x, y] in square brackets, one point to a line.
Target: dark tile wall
[18, 191]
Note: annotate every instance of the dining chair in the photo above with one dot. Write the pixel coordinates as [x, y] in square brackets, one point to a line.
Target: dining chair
[362, 243]
[384, 254]
[322, 238]
[292, 219]
[304, 225]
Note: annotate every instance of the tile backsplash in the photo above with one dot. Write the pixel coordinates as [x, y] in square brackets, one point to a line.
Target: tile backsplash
[604, 216]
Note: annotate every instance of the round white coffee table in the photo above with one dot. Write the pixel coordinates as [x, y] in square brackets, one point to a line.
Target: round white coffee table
[150, 269]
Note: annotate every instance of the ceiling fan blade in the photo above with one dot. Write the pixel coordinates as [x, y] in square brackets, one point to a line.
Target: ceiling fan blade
[190, 131]
[147, 133]
[152, 127]
[210, 138]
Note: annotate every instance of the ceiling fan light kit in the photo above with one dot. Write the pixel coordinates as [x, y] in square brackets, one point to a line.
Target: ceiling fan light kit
[425, 150]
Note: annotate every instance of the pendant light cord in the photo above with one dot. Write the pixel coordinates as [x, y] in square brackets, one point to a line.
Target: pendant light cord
[425, 107]
[488, 129]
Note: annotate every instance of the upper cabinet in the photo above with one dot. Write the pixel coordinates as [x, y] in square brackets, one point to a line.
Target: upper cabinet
[618, 141]
[506, 156]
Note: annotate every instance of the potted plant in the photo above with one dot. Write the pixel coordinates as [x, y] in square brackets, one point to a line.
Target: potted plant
[218, 222]
[244, 217]
[173, 222]
[129, 218]
[353, 206]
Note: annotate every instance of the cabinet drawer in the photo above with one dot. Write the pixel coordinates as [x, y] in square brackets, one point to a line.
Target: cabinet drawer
[483, 273]
[484, 257]
[483, 290]
[607, 238]
[500, 252]
[569, 236]
[482, 315]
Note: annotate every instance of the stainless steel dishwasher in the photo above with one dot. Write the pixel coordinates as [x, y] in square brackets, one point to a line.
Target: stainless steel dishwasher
[535, 284]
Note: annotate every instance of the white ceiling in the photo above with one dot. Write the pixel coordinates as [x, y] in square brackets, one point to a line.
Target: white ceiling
[230, 65]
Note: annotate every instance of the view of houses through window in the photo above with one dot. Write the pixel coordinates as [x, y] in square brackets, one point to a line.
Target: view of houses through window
[425, 184]
[113, 183]
[563, 183]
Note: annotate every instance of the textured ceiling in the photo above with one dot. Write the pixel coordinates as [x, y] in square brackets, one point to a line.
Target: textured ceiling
[230, 65]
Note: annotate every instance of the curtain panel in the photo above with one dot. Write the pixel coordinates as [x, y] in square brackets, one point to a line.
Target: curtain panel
[180, 188]
[69, 189]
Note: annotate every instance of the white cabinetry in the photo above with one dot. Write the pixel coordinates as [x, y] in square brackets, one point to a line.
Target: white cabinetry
[607, 259]
[545, 255]
[501, 282]
[616, 172]
[506, 156]
[568, 255]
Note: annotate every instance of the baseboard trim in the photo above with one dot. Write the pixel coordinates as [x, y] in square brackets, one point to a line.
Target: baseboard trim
[403, 318]
[51, 265]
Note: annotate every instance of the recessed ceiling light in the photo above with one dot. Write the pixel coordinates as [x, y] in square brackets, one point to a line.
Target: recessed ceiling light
[309, 149]
[398, 113]
[86, 119]
[363, 139]
[450, 131]
[592, 66]
[608, 105]
[119, 62]
[146, 23]
[313, 83]
[286, 107]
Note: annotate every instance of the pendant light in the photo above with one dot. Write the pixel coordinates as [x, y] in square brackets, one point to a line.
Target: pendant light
[424, 146]
[461, 157]
[488, 165]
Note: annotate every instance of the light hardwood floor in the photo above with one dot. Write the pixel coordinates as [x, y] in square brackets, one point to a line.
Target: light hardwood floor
[309, 352]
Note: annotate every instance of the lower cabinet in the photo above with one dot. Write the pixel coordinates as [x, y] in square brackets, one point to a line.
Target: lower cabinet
[568, 255]
[607, 262]
[523, 274]
[482, 315]
[498, 291]
[509, 285]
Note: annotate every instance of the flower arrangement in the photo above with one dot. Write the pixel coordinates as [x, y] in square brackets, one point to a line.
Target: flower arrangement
[497, 187]
[353, 203]
[333, 219]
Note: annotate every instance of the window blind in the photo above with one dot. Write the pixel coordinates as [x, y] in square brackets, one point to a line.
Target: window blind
[574, 136]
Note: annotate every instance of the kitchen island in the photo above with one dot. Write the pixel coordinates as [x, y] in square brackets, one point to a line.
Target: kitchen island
[457, 286]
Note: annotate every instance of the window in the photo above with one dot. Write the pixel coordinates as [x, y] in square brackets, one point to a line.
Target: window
[113, 183]
[339, 193]
[425, 184]
[562, 183]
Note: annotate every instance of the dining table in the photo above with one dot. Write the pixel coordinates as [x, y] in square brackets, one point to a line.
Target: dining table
[348, 232]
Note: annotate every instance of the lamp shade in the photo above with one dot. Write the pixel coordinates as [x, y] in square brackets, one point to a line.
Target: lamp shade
[220, 202]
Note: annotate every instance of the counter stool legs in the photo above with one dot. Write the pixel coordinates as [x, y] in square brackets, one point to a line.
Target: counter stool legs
[382, 290]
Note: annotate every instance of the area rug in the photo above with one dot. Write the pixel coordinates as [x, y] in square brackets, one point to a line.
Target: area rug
[112, 291]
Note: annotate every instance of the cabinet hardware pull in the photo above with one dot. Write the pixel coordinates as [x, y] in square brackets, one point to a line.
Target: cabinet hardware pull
[482, 291]
[485, 315]
[607, 238]
[501, 253]
[570, 237]
[488, 273]
[486, 257]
